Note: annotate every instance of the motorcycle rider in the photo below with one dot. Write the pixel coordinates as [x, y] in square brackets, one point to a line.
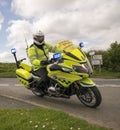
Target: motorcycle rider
[38, 54]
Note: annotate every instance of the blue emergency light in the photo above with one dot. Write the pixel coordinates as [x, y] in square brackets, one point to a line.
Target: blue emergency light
[13, 50]
[56, 56]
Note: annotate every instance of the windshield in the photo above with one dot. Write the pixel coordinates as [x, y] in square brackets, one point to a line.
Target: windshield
[71, 51]
[65, 46]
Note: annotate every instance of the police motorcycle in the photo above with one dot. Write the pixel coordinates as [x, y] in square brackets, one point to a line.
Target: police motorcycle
[68, 74]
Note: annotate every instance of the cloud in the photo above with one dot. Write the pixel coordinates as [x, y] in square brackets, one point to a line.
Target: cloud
[39, 7]
[3, 3]
[1, 20]
[95, 22]
[18, 32]
[19, 35]
[4, 56]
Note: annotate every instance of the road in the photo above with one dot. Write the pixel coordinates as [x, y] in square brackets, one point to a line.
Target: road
[107, 114]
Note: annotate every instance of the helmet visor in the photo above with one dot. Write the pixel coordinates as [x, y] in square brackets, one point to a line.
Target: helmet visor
[39, 38]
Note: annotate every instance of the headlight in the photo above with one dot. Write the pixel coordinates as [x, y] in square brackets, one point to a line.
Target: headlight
[65, 69]
[80, 69]
[83, 68]
[88, 65]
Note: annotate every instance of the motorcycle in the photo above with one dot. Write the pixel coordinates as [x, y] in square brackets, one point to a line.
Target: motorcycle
[68, 75]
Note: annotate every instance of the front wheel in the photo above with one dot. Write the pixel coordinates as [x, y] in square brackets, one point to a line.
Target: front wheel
[90, 96]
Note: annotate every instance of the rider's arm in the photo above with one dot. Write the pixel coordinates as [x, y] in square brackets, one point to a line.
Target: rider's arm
[57, 50]
[33, 58]
[53, 49]
[50, 47]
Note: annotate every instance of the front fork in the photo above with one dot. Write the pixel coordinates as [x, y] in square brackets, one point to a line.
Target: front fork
[83, 84]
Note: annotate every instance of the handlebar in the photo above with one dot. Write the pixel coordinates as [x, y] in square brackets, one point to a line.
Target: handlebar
[22, 60]
[51, 61]
[19, 61]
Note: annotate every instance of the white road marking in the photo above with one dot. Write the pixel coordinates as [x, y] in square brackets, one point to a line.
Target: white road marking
[17, 85]
[108, 86]
[4, 85]
[99, 86]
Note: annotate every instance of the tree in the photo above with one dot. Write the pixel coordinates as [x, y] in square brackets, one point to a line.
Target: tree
[114, 57]
[111, 57]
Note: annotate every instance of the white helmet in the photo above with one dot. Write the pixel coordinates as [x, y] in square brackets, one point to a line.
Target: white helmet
[38, 38]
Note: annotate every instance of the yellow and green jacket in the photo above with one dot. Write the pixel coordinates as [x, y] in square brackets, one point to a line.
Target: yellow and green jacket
[36, 55]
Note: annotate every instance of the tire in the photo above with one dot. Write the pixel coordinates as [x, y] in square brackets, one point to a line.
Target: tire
[38, 92]
[90, 96]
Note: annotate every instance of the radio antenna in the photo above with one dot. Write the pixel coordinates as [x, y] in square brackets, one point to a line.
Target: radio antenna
[26, 41]
[26, 44]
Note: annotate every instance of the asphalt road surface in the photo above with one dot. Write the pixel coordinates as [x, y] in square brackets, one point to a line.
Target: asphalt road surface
[15, 95]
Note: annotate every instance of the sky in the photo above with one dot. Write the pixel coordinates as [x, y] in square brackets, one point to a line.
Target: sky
[94, 22]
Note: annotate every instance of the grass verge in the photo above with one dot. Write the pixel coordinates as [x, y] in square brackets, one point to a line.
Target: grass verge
[7, 70]
[7, 75]
[105, 74]
[96, 74]
[42, 119]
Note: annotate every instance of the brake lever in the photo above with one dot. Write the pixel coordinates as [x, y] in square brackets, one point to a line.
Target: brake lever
[23, 59]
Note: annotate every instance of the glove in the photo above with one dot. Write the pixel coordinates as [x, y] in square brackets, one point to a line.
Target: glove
[44, 62]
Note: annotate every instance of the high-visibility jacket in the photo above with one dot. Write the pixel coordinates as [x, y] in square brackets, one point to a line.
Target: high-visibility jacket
[36, 55]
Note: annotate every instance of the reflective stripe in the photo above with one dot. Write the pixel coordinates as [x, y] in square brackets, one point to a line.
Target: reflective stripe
[32, 59]
[36, 55]
[32, 56]
[39, 57]
[51, 49]
[36, 51]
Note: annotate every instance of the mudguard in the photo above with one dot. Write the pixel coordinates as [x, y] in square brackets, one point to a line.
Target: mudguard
[26, 67]
[86, 82]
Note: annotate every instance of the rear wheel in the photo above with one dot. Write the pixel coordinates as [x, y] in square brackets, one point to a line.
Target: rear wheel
[38, 92]
[90, 96]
